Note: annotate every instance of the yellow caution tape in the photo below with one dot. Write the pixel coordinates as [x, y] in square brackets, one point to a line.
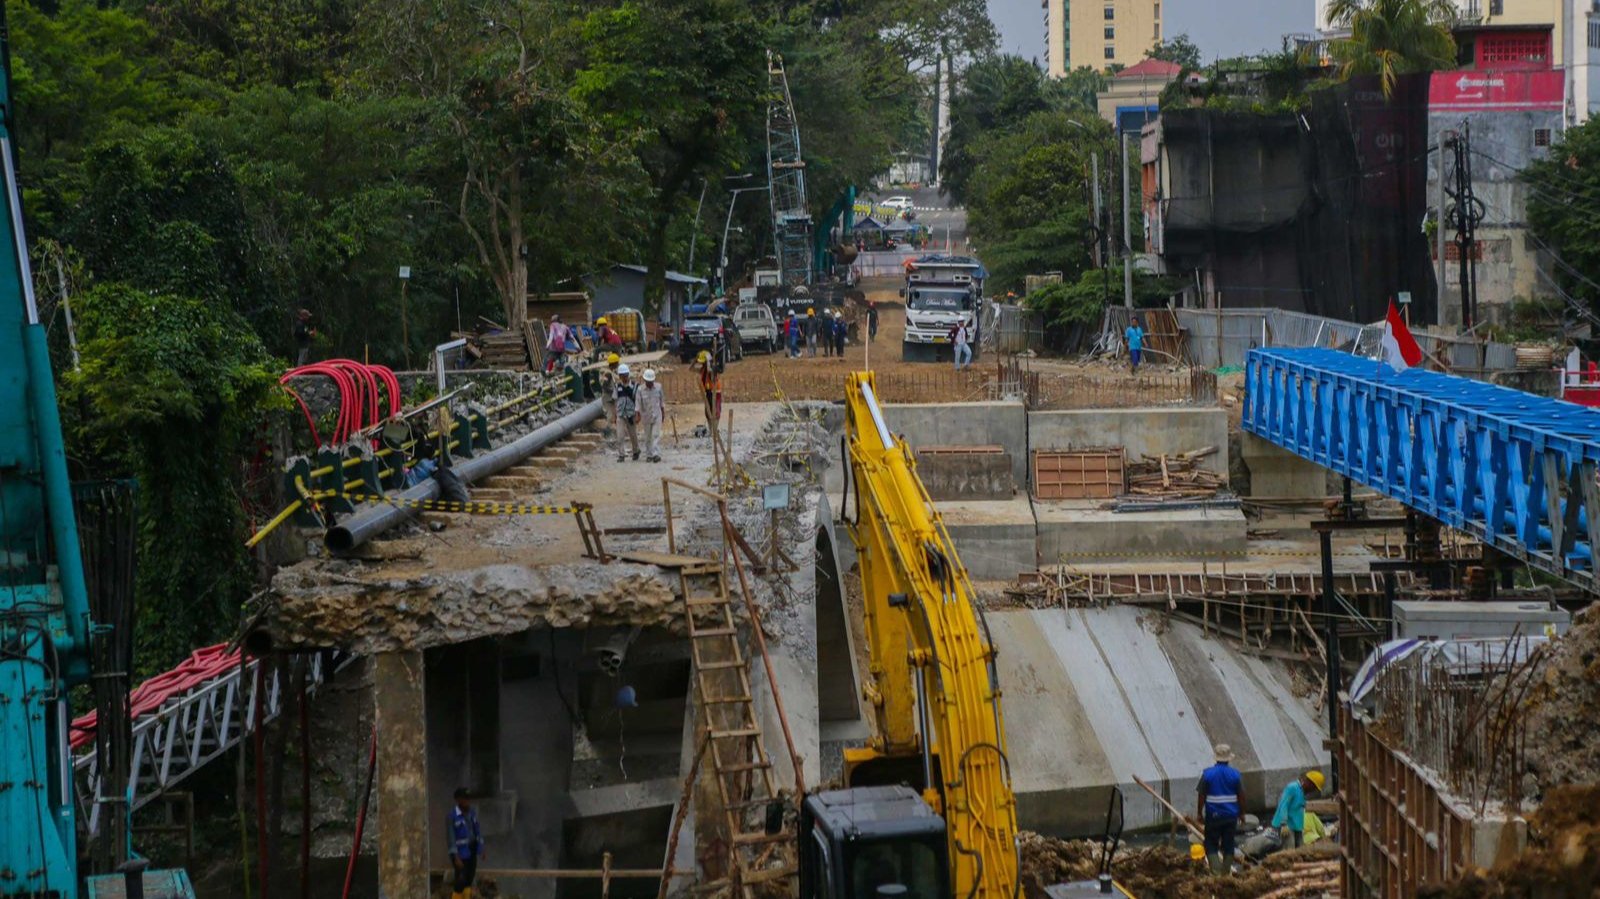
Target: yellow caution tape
[470, 507]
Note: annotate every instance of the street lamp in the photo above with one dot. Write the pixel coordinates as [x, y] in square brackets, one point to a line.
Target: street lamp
[722, 258]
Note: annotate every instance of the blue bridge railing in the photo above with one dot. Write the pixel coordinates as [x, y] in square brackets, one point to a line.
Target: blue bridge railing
[1515, 470]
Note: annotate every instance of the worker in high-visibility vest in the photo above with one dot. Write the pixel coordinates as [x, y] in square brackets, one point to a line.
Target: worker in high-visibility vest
[466, 845]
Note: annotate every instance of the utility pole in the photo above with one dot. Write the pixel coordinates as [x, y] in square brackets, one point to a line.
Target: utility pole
[1466, 218]
[694, 235]
[405, 331]
[1127, 232]
[1438, 312]
[1099, 225]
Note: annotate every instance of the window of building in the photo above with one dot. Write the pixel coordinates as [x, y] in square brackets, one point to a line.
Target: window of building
[1511, 49]
[1111, 33]
[1111, 13]
[1594, 35]
[1158, 10]
[1111, 52]
[1497, 7]
[1541, 137]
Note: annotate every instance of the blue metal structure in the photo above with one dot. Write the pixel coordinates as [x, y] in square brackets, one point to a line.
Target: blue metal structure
[1515, 470]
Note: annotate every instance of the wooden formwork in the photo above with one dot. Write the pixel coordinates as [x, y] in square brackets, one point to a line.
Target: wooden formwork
[1077, 474]
[1399, 829]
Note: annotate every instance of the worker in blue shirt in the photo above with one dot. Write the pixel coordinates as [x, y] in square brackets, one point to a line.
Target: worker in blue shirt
[466, 845]
[1135, 338]
[1290, 818]
[1219, 807]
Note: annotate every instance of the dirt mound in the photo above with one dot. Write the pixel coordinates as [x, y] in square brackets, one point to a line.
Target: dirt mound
[1562, 748]
[1562, 860]
[1164, 872]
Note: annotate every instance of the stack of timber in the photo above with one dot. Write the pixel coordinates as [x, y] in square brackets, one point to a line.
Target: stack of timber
[1174, 477]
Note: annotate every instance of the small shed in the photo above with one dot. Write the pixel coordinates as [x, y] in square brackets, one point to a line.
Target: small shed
[622, 287]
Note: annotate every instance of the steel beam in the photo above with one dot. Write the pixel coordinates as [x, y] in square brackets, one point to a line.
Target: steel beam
[1514, 470]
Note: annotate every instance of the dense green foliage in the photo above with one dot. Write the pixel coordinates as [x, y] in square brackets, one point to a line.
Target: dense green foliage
[1389, 38]
[1180, 50]
[204, 168]
[1029, 203]
[1080, 302]
[1564, 212]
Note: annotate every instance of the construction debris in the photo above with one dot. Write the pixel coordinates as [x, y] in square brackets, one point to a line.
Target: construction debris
[1561, 745]
[1165, 872]
[1174, 477]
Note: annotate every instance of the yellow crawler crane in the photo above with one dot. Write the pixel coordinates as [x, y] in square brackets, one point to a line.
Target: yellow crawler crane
[936, 703]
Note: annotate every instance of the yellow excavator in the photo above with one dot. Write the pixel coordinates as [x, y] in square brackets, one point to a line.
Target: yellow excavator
[935, 700]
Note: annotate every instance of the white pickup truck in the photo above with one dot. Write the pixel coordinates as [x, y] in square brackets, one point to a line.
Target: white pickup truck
[756, 326]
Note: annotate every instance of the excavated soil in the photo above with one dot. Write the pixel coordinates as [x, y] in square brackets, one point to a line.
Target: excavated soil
[1562, 744]
[1164, 872]
[1562, 860]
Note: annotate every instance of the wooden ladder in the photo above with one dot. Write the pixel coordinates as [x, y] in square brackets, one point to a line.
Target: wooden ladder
[736, 750]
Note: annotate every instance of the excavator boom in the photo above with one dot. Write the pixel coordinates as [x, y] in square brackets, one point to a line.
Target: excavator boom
[935, 696]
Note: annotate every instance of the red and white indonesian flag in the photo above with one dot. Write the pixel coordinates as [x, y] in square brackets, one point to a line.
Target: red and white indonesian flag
[1400, 350]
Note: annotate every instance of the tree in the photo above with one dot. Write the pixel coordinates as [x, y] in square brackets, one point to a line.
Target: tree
[1180, 50]
[995, 94]
[1389, 38]
[687, 75]
[1564, 213]
[1029, 201]
[541, 188]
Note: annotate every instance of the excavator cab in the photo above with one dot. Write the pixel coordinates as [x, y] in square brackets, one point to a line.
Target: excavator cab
[872, 843]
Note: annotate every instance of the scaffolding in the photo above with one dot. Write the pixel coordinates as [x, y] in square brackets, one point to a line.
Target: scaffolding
[786, 174]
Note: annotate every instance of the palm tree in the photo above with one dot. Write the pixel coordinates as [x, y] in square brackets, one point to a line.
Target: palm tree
[1389, 38]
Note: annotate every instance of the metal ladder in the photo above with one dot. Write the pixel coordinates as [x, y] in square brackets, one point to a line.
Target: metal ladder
[735, 747]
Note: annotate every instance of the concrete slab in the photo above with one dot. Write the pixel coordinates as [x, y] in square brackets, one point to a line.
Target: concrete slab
[1079, 532]
[1276, 472]
[997, 540]
[966, 476]
[1094, 697]
[1149, 431]
[965, 424]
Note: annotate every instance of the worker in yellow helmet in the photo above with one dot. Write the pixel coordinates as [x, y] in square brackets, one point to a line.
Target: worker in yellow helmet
[813, 331]
[605, 339]
[1290, 818]
[608, 397]
[710, 384]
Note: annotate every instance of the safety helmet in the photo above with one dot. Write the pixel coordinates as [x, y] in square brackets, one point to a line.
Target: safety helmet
[612, 359]
[622, 369]
[1197, 852]
[810, 311]
[791, 313]
[704, 357]
[649, 376]
[1317, 780]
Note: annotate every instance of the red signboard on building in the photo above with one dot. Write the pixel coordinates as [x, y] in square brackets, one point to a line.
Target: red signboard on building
[1463, 91]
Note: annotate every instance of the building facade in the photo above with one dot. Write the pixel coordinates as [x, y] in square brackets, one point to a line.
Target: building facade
[1099, 34]
[1574, 41]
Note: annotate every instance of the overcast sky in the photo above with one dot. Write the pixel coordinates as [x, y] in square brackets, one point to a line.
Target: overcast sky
[1218, 27]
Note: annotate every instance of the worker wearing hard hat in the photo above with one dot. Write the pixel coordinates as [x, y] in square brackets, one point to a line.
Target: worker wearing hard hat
[1290, 818]
[627, 402]
[710, 385]
[652, 412]
[813, 331]
[608, 395]
[605, 339]
[1219, 788]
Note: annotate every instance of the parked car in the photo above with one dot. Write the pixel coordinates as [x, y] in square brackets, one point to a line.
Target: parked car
[756, 326]
[900, 203]
[703, 330]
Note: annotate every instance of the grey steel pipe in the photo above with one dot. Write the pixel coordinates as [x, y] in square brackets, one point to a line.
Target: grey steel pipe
[368, 523]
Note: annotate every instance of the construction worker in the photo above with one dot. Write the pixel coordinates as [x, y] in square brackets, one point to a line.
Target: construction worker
[872, 320]
[840, 331]
[813, 330]
[652, 412]
[1135, 337]
[466, 845]
[710, 386]
[791, 333]
[304, 334]
[1218, 791]
[608, 393]
[556, 346]
[961, 339]
[605, 339]
[1290, 818]
[827, 332]
[627, 403]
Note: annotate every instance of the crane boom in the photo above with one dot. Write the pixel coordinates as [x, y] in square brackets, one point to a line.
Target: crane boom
[934, 691]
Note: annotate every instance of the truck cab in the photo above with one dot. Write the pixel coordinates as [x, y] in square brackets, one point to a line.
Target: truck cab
[872, 843]
[940, 291]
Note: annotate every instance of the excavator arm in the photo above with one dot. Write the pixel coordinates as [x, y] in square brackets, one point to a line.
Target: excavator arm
[933, 688]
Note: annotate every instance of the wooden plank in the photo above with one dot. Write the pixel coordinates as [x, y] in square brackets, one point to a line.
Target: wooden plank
[664, 560]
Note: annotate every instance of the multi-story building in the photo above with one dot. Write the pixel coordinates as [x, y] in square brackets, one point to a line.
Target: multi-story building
[1573, 41]
[1099, 34]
